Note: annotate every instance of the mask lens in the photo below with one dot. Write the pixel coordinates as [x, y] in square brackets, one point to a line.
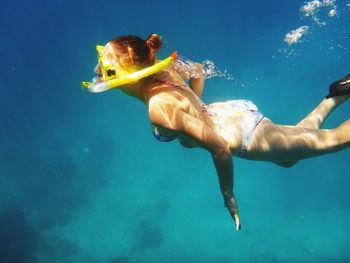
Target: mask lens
[111, 72]
[109, 65]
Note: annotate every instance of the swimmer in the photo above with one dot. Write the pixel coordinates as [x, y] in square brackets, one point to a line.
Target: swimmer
[225, 129]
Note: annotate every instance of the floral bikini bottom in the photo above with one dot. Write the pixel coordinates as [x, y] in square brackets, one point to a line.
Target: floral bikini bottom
[249, 114]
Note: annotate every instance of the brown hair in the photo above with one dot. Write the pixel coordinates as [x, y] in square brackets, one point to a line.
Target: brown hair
[134, 53]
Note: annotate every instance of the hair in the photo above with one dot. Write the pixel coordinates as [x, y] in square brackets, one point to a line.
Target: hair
[134, 53]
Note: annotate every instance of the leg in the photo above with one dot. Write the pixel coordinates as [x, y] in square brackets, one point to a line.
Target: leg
[316, 118]
[277, 143]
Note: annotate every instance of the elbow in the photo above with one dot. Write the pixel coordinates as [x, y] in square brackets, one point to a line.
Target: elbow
[199, 67]
[198, 72]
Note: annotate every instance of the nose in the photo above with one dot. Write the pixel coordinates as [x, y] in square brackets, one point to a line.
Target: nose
[97, 69]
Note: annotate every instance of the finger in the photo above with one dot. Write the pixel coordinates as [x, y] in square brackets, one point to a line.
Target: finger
[238, 225]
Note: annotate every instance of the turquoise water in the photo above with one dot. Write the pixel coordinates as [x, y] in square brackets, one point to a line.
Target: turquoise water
[83, 180]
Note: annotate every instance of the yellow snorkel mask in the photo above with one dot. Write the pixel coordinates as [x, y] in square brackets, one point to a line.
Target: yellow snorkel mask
[110, 68]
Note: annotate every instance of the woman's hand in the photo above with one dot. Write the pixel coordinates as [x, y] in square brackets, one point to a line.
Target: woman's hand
[231, 205]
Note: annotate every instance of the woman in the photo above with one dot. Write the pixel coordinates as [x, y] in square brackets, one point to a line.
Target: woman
[225, 129]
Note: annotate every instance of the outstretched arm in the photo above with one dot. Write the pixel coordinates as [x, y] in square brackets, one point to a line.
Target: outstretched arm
[202, 133]
[224, 169]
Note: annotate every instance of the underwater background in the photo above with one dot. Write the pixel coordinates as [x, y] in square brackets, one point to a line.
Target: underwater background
[83, 180]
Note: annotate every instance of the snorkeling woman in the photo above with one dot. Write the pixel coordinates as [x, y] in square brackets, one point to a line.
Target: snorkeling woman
[224, 129]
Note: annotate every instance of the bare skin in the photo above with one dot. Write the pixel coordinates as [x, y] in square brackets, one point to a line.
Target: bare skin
[175, 108]
[179, 112]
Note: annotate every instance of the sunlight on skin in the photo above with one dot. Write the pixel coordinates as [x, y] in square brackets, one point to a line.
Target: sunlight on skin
[316, 118]
[281, 143]
[284, 145]
[176, 109]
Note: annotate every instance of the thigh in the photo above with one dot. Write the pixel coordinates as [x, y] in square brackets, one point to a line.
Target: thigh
[280, 143]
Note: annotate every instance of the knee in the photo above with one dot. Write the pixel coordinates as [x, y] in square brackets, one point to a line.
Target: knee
[312, 122]
[287, 164]
[342, 133]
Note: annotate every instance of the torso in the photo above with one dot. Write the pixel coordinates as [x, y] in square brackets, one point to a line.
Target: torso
[172, 91]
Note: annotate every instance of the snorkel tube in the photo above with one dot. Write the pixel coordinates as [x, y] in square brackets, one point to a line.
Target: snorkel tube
[111, 83]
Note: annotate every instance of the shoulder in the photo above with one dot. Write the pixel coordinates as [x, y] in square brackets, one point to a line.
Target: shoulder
[167, 100]
[162, 110]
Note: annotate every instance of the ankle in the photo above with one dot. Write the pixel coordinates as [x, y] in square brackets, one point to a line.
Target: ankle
[337, 100]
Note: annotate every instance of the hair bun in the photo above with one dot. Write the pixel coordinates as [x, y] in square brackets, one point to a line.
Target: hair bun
[154, 42]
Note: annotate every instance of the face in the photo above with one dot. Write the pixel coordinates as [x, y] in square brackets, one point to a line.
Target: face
[108, 67]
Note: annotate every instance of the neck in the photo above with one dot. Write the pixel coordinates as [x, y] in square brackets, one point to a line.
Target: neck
[137, 90]
[145, 88]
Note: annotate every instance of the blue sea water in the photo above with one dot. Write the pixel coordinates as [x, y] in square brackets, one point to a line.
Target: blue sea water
[83, 180]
